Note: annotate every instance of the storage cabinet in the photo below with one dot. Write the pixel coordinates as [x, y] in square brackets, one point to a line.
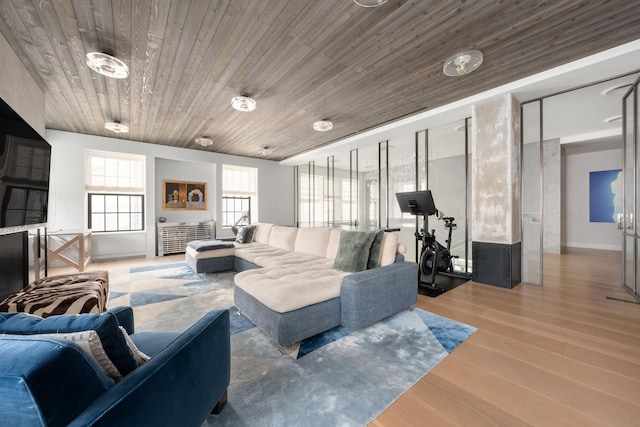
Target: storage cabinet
[174, 236]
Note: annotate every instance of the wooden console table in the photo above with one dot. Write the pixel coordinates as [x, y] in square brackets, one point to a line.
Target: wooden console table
[71, 247]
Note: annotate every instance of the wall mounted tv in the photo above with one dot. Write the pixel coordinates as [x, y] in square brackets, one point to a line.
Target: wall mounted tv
[25, 158]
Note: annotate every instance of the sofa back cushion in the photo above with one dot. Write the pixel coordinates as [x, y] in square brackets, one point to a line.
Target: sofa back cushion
[334, 243]
[388, 249]
[312, 241]
[46, 381]
[283, 237]
[262, 233]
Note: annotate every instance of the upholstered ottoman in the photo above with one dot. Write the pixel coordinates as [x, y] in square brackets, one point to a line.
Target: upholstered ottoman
[210, 256]
[76, 293]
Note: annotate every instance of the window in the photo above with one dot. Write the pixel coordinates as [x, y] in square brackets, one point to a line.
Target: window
[115, 188]
[239, 193]
[116, 212]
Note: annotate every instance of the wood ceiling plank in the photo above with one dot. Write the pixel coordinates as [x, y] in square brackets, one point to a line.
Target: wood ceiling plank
[167, 113]
[169, 36]
[301, 61]
[36, 33]
[121, 19]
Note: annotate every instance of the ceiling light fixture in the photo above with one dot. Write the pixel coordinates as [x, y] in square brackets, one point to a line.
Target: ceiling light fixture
[116, 127]
[243, 103]
[618, 90]
[323, 125]
[462, 63]
[205, 141]
[107, 65]
[613, 119]
[369, 3]
[265, 151]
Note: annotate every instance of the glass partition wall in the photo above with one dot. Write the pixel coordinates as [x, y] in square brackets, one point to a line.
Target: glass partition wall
[629, 220]
[532, 176]
[447, 178]
[357, 189]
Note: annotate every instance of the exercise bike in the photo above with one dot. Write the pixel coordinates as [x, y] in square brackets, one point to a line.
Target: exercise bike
[434, 257]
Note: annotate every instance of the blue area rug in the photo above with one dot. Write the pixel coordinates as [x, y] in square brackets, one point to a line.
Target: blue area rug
[340, 377]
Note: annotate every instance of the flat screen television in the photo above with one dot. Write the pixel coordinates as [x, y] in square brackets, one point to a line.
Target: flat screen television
[25, 158]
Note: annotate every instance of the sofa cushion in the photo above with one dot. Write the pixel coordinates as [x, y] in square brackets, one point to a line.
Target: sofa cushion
[283, 237]
[46, 381]
[312, 241]
[334, 243]
[291, 259]
[262, 233]
[388, 249]
[105, 324]
[353, 252]
[287, 289]
[215, 253]
[249, 252]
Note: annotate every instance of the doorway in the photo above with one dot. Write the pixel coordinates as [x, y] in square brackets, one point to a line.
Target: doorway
[570, 141]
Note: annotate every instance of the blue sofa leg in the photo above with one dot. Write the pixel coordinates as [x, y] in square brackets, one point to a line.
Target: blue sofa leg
[220, 404]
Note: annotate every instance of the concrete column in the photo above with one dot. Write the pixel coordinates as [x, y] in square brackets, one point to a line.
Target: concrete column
[495, 183]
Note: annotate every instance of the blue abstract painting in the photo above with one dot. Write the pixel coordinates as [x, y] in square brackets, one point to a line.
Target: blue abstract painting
[605, 195]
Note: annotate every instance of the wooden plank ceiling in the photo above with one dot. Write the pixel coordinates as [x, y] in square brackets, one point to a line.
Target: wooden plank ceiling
[301, 60]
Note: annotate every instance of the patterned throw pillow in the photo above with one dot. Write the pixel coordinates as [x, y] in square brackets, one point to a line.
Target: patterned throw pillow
[245, 234]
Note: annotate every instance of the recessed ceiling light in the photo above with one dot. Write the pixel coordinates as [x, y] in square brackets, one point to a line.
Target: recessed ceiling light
[205, 141]
[369, 3]
[462, 63]
[243, 103]
[613, 119]
[265, 151]
[116, 126]
[322, 125]
[617, 90]
[107, 65]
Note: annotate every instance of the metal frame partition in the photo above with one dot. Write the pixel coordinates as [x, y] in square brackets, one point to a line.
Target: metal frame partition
[630, 160]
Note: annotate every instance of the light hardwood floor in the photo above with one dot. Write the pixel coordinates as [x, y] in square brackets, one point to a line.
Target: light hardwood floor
[561, 354]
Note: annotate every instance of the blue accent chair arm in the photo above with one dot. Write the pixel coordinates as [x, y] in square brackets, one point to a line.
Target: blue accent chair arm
[372, 295]
[178, 386]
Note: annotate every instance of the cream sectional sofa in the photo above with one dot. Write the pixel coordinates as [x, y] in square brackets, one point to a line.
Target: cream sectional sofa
[288, 287]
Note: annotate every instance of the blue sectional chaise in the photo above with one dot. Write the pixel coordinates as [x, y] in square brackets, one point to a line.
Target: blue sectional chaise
[52, 382]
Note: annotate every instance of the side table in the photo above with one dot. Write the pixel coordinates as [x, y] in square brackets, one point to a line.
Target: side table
[71, 247]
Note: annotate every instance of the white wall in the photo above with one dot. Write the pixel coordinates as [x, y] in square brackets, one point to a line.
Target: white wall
[68, 199]
[579, 232]
[19, 89]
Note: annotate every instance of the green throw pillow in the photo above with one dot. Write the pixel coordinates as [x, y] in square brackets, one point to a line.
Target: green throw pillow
[353, 251]
[374, 252]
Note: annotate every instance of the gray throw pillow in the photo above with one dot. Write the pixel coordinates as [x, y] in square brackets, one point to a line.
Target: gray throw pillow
[245, 234]
[353, 251]
[374, 252]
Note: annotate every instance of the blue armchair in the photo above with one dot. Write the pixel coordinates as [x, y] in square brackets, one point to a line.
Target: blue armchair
[51, 382]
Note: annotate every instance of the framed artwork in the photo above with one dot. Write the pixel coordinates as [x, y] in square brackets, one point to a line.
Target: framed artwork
[184, 195]
[605, 195]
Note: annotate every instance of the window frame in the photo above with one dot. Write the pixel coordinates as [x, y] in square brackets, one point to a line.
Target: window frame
[117, 213]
